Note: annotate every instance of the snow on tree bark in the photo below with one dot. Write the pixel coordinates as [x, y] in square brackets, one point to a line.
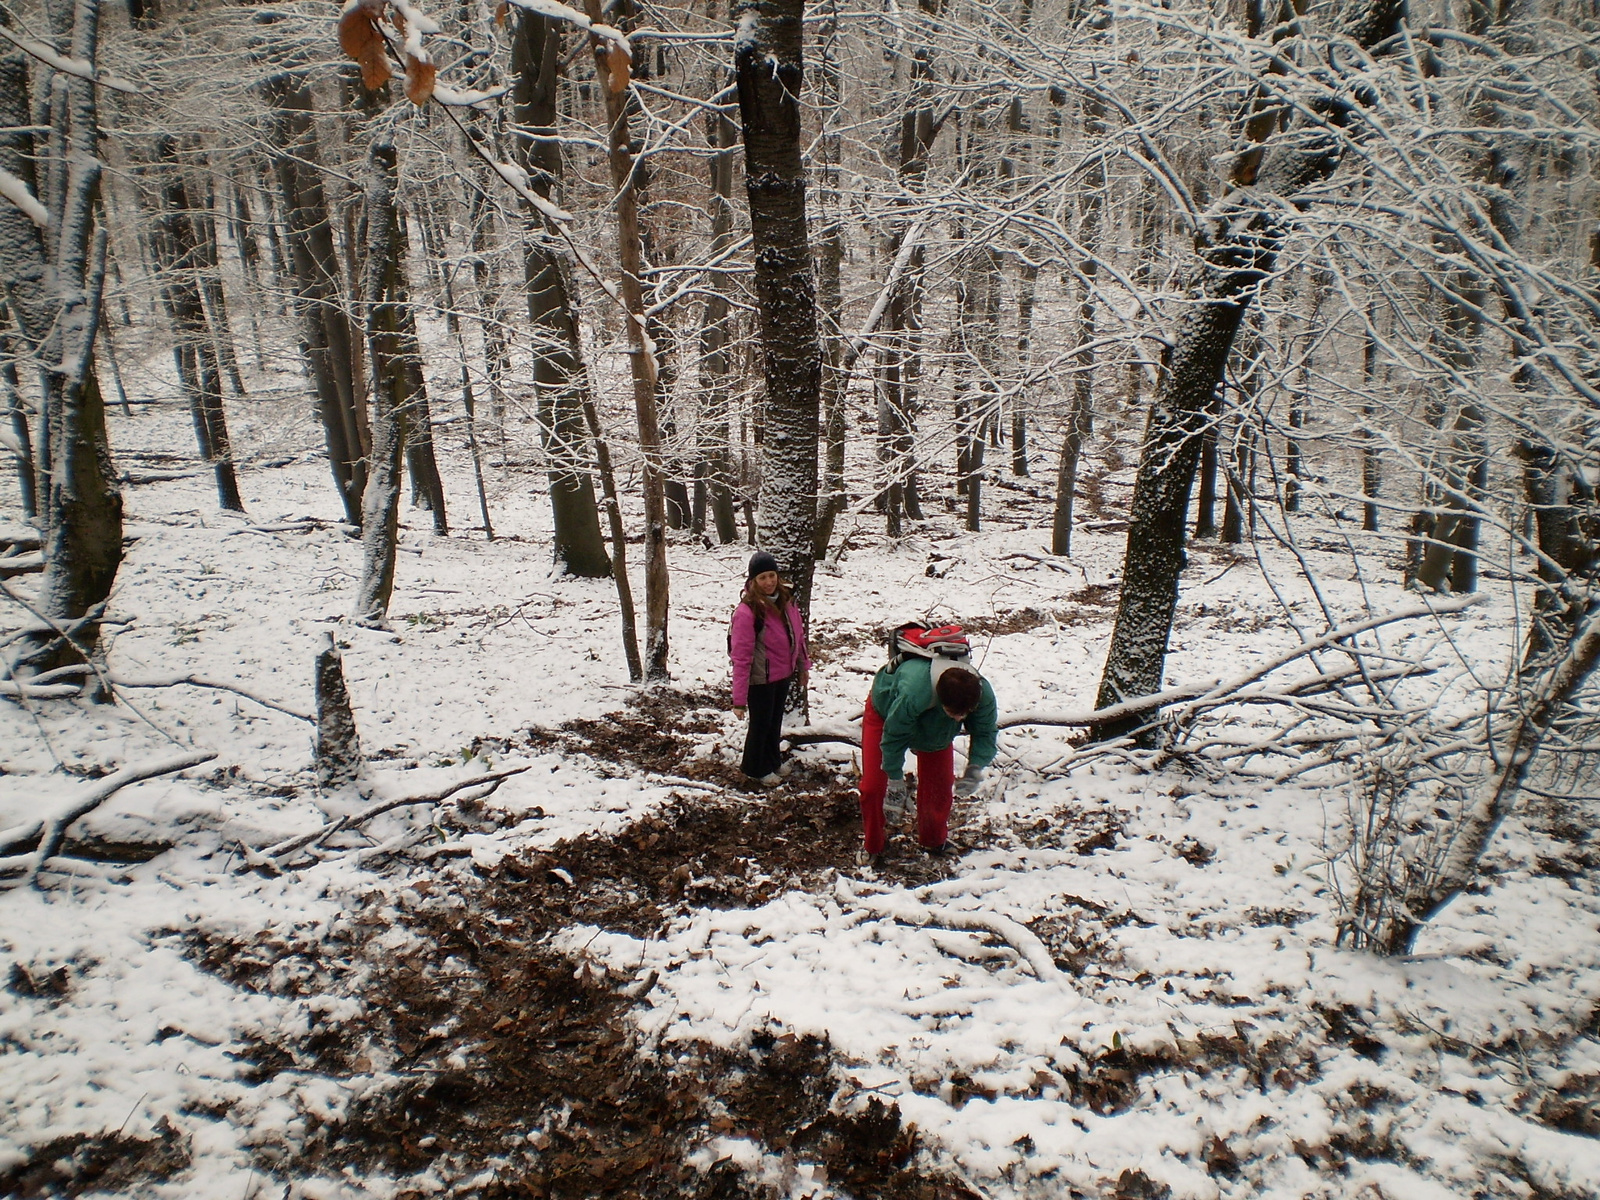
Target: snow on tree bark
[383, 295]
[769, 70]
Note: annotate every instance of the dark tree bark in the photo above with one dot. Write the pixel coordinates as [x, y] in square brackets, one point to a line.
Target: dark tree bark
[558, 367]
[426, 483]
[337, 756]
[1238, 250]
[1205, 508]
[830, 295]
[177, 244]
[212, 295]
[1371, 464]
[899, 360]
[326, 336]
[1566, 519]
[1027, 294]
[715, 366]
[1080, 417]
[54, 276]
[769, 70]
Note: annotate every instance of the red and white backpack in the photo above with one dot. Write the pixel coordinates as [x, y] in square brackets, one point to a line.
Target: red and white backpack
[946, 645]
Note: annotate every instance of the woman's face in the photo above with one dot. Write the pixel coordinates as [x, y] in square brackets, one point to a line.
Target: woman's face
[767, 581]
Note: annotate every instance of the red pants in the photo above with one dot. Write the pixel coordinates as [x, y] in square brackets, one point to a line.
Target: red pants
[936, 777]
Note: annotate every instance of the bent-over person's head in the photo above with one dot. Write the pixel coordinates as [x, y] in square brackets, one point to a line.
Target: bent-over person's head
[958, 691]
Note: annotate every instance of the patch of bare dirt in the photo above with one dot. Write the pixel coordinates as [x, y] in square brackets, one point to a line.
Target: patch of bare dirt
[507, 1070]
[105, 1162]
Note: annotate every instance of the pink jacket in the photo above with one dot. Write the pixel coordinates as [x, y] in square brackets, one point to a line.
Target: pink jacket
[778, 655]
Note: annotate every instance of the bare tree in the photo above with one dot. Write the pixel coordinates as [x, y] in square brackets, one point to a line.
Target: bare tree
[559, 371]
[53, 257]
[769, 71]
[1238, 243]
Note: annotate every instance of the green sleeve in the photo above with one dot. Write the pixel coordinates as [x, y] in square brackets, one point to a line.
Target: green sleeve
[983, 727]
[897, 705]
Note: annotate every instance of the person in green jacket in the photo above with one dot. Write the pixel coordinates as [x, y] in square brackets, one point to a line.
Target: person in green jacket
[921, 705]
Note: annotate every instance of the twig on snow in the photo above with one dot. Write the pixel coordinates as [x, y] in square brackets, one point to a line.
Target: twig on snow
[269, 858]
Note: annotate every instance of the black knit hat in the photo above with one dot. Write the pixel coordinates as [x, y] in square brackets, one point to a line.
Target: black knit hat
[760, 561]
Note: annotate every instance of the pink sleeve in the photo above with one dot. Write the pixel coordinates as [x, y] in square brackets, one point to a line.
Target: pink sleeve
[742, 650]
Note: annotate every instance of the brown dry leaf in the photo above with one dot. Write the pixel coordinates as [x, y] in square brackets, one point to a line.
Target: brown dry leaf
[419, 80]
[500, 12]
[360, 38]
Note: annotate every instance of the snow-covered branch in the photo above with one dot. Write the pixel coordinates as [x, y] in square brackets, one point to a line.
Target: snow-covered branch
[51, 828]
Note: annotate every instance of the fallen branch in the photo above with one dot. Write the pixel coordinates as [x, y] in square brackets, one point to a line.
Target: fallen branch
[202, 681]
[1210, 695]
[902, 907]
[269, 857]
[29, 690]
[20, 564]
[51, 830]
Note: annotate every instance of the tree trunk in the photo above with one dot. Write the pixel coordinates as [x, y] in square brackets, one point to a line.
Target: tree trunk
[211, 291]
[716, 449]
[423, 466]
[1205, 514]
[769, 70]
[178, 247]
[54, 279]
[326, 336]
[17, 417]
[1027, 293]
[1081, 417]
[558, 367]
[1238, 251]
[383, 297]
[1567, 527]
[337, 756]
[611, 70]
[619, 539]
[830, 296]
[452, 324]
[1371, 465]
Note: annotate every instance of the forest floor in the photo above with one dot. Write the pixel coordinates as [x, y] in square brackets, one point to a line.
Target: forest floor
[624, 972]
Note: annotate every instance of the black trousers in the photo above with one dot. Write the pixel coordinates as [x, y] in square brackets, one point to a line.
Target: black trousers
[765, 704]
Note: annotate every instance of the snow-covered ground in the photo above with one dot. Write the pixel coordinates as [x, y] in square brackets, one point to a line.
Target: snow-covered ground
[1184, 961]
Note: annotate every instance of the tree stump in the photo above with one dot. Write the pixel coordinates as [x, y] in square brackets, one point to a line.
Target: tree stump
[338, 752]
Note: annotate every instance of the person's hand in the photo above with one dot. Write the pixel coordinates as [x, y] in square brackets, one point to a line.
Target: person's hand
[805, 678]
[896, 802]
[740, 711]
[969, 781]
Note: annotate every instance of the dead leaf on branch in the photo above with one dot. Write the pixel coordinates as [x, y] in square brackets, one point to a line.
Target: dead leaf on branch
[361, 38]
[419, 80]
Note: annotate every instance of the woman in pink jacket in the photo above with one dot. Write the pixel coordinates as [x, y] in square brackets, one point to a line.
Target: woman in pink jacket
[767, 643]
